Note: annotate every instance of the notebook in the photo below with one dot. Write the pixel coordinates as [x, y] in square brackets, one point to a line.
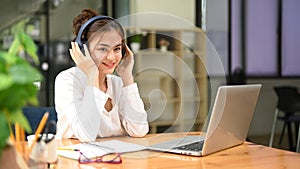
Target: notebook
[92, 149]
[228, 126]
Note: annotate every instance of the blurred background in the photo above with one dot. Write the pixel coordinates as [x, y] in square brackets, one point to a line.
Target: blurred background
[256, 42]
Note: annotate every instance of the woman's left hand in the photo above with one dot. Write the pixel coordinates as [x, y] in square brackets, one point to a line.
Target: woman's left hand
[125, 67]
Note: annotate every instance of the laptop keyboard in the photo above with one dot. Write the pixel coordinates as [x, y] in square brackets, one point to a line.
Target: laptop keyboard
[196, 146]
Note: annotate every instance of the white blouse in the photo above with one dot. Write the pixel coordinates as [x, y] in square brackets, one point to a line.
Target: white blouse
[81, 113]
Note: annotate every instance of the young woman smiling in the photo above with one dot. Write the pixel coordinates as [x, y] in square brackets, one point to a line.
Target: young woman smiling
[90, 100]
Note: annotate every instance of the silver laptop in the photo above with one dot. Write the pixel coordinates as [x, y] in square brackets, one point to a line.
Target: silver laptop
[228, 126]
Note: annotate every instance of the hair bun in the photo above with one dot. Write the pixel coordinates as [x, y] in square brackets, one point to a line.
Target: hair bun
[79, 20]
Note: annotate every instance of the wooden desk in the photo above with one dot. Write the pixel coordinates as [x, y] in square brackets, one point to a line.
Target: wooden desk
[247, 155]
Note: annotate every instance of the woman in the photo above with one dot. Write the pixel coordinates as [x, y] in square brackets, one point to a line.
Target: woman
[90, 100]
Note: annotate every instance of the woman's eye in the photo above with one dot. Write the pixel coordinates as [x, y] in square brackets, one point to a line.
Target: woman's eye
[102, 49]
[117, 49]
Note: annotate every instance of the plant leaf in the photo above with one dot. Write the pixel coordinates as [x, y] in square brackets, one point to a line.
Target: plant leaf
[29, 46]
[5, 82]
[33, 100]
[7, 59]
[18, 117]
[24, 73]
[15, 46]
[17, 96]
[4, 134]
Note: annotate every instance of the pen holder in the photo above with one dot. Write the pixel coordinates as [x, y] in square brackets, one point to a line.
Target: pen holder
[44, 150]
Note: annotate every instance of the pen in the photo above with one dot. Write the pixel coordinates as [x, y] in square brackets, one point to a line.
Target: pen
[69, 149]
[39, 130]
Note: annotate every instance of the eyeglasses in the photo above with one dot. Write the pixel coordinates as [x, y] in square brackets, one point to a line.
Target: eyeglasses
[111, 158]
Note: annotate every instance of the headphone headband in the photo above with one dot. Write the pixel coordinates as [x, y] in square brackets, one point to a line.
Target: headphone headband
[79, 39]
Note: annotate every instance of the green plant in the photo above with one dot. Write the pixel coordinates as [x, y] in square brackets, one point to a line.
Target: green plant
[137, 35]
[17, 89]
[136, 38]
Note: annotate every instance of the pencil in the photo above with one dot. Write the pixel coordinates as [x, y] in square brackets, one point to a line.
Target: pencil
[39, 130]
[22, 131]
[18, 137]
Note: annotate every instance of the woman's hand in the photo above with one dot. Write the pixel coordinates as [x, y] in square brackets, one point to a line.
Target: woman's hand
[85, 63]
[125, 67]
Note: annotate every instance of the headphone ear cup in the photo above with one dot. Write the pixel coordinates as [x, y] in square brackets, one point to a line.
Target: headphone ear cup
[82, 48]
[80, 45]
[123, 51]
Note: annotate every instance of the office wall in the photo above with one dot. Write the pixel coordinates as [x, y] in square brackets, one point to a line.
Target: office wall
[61, 18]
[217, 32]
[184, 9]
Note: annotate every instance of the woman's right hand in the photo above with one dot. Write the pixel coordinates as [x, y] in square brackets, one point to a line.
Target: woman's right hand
[85, 63]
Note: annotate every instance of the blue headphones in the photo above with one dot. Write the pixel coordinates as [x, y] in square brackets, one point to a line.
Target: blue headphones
[80, 40]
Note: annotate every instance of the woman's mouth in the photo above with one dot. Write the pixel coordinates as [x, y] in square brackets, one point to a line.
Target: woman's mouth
[109, 65]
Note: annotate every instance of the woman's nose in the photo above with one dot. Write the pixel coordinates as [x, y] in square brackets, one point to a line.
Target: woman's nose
[110, 55]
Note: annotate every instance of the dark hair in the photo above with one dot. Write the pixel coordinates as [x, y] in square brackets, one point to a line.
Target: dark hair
[103, 24]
